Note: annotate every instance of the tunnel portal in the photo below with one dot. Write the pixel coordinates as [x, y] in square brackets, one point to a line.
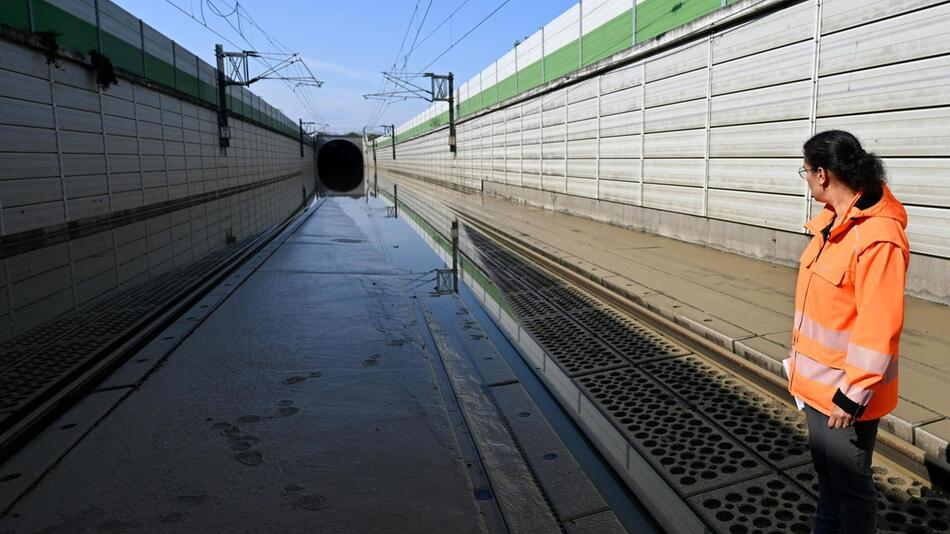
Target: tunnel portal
[340, 166]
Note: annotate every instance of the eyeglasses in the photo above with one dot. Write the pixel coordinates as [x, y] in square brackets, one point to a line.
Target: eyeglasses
[803, 172]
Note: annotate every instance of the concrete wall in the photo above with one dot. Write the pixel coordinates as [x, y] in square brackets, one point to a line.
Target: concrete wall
[697, 134]
[103, 190]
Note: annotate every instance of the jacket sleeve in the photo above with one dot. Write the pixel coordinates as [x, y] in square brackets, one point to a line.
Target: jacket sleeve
[872, 350]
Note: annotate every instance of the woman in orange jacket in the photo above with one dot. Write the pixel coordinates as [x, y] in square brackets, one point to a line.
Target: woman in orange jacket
[849, 311]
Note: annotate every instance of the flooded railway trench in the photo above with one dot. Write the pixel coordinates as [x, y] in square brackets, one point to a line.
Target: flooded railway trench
[319, 380]
[702, 448]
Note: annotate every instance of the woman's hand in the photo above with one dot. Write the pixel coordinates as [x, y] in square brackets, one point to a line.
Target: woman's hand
[839, 418]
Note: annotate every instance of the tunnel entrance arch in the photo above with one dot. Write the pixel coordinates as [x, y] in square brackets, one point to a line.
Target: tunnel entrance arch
[340, 166]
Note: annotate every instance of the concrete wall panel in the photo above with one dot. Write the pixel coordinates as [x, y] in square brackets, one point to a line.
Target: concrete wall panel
[625, 192]
[790, 25]
[902, 86]
[912, 36]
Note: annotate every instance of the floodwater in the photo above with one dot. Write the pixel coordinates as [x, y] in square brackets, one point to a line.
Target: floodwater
[306, 399]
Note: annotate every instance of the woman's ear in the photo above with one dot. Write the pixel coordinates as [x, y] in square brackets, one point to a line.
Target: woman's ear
[823, 178]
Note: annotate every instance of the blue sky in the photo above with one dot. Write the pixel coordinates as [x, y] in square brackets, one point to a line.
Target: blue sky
[347, 43]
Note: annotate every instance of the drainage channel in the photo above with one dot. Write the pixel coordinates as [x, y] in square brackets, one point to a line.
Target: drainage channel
[677, 429]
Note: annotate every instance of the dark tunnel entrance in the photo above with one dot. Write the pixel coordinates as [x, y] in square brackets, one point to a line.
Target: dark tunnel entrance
[340, 166]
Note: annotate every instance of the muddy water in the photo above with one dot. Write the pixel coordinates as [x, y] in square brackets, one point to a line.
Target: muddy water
[305, 399]
[418, 253]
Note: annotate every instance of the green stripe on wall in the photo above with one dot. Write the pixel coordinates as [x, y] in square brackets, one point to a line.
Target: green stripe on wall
[81, 36]
[207, 92]
[489, 96]
[122, 54]
[74, 32]
[508, 87]
[609, 38]
[653, 18]
[530, 76]
[159, 71]
[656, 17]
[564, 60]
[16, 13]
[187, 83]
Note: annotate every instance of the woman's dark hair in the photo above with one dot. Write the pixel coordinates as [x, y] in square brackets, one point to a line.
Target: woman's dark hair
[840, 152]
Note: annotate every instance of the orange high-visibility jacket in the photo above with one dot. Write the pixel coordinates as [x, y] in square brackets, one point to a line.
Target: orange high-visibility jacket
[849, 309]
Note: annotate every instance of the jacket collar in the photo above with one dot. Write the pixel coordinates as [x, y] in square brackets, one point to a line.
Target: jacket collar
[887, 206]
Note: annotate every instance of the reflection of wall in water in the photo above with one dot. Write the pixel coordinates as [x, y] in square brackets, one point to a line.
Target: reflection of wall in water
[102, 191]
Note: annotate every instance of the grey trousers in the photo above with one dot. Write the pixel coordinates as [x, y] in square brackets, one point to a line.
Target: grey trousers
[847, 500]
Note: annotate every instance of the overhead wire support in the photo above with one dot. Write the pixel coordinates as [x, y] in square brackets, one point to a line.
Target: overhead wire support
[239, 74]
[239, 71]
[441, 89]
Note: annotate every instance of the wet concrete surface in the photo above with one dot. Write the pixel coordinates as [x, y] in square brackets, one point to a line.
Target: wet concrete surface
[305, 402]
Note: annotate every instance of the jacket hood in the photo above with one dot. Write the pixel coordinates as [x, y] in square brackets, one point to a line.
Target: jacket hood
[888, 206]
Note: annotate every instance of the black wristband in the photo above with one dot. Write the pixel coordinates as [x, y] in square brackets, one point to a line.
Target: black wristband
[852, 408]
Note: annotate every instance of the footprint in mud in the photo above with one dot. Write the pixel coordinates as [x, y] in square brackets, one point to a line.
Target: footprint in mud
[372, 360]
[192, 500]
[239, 445]
[292, 489]
[311, 502]
[397, 342]
[285, 403]
[315, 374]
[243, 443]
[293, 380]
[251, 458]
[232, 432]
[249, 418]
[287, 411]
[221, 426]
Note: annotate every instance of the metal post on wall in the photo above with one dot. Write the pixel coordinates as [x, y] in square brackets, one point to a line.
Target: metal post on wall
[455, 256]
[392, 128]
[517, 88]
[29, 13]
[542, 54]
[452, 144]
[224, 133]
[395, 200]
[98, 27]
[580, 33]
[375, 171]
[142, 43]
[633, 30]
[300, 125]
